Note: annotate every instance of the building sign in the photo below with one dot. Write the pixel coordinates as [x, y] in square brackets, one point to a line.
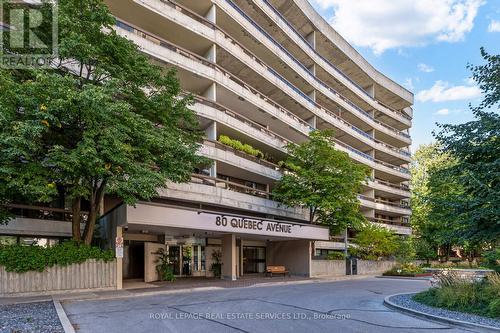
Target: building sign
[155, 215]
[251, 224]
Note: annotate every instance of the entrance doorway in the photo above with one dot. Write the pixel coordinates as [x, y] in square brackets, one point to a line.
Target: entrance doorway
[254, 259]
[174, 253]
[133, 260]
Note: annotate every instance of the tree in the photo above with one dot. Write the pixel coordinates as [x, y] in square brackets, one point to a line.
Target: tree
[323, 179]
[433, 197]
[373, 242]
[102, 120]
[476, 147]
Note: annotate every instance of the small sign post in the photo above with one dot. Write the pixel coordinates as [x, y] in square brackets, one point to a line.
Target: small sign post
[119, 247]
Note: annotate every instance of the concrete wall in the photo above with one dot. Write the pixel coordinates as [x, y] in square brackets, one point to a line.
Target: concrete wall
[295, 255]
[150, 258]
[338, 268]
[369, 267]
[327, 268]
[92, 274]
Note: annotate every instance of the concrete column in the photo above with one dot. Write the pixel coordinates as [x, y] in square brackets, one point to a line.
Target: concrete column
[311, 39]
[312, 95]
[312, 69]
[229, 257]
[312, 121]
[211, 131]
[119, 263]
[211, 14]
[211, 53]
[211, 92]
[371, 90]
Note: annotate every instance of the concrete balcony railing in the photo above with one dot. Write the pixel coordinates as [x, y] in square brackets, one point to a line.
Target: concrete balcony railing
[398, 227]
[346, 81]
[385, 186]
[244, 20]
[208, 30]
[334, 38]
[385, 206]
[222, 153]
[232, 119]
[173, 54]
[211, 190]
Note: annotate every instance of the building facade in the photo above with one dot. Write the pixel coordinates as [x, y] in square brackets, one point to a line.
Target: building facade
[265, 73]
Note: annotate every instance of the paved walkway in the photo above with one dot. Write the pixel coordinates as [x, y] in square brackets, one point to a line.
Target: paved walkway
[298, 306]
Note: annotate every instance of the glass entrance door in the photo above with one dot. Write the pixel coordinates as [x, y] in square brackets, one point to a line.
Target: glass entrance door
[254, 259]
[174, 253]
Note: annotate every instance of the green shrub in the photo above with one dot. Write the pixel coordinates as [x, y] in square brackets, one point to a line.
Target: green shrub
[407, 269]
[237, 145]
[465, 295]
[335, 255]
[491, 259]
[19, 258]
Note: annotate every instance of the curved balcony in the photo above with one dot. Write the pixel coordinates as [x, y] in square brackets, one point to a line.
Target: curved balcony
[398, 116]
[334, 38]
[314, 107]
[173, 54]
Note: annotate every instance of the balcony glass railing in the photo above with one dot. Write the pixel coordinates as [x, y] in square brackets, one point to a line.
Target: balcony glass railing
[194, 56]
[335, 68]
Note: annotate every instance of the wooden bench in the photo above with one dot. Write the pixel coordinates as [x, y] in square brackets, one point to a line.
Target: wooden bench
[270, 270]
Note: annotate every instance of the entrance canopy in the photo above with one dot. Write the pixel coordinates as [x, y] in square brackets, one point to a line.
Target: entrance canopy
[157, 215]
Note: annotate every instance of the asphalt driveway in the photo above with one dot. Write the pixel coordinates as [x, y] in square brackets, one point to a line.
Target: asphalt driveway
[339, 306]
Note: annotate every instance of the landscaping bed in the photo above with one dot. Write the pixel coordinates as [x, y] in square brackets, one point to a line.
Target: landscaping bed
[37, 317]
[408, 302]
[455, 292]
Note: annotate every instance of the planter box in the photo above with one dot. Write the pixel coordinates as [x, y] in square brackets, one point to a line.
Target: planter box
[92, 274]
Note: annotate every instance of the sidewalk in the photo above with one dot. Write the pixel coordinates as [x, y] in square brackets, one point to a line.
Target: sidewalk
[180, 286]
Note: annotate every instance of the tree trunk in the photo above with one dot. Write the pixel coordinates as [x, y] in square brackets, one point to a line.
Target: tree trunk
[96, 199]
[76, 220]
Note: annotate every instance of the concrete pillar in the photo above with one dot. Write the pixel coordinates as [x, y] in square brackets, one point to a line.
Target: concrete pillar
[211, 53]
[211, 131]
[311, 39]
[211, 92]
[312, 69]
[211, 14]
[229, 257]
[312, 95]
[371, 90]
[119, 263]
[312, 121]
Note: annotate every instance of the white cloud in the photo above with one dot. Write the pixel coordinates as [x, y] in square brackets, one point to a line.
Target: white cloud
[442, 112]
[446, 112]
[387, 24]
[409, 83]
[494, 26]
[425, 68]
[442, 92]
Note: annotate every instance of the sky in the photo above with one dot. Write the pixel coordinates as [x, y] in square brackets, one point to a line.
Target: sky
[424, 45]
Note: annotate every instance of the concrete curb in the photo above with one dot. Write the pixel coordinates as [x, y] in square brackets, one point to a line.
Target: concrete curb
[484, 328]
[418, 278]
[63, 318]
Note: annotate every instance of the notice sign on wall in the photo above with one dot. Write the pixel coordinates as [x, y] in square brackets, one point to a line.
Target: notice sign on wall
[119, 247]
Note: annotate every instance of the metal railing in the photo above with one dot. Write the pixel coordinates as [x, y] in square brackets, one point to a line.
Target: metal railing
[229, 185]
[44, 213]
[335, 68]
[204, 61]
[206, 22]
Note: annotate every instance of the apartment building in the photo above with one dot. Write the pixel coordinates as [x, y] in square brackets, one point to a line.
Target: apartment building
[265, 73]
